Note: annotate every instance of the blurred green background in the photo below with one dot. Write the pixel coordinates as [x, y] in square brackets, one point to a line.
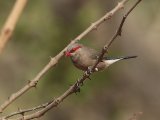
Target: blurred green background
[47, 26]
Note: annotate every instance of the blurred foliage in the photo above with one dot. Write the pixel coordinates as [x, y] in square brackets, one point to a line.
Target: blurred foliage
[47, 26]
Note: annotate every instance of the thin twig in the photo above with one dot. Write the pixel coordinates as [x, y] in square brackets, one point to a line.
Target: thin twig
[22, 112]
[76, 87]
[10, 24]
[32, 83]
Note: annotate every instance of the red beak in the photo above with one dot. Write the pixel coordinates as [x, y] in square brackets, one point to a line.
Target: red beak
[67, 54]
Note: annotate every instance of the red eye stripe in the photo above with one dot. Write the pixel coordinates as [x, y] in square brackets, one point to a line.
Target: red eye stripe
[76, 48]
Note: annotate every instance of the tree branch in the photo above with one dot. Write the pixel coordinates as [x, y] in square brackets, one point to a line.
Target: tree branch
[22, 112]
[76, 87]
[10, 24]
[32, 83]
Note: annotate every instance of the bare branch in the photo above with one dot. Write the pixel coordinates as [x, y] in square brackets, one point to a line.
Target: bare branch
[22, 112]
[76, 87]
[32, 83]
[10, 24]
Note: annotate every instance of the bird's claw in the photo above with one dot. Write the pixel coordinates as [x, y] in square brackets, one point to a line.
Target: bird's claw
[89, 70]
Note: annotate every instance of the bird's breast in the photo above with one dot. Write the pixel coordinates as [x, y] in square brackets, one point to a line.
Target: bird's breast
[83, 61]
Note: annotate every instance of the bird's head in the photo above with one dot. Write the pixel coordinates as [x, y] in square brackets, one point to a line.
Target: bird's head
[72, 50]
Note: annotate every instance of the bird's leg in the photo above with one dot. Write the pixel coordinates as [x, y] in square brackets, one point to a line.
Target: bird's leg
[89, 70]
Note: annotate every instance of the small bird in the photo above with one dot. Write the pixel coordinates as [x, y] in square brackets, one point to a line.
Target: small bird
[84, 57]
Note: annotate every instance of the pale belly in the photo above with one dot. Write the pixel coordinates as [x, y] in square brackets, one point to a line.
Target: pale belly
[85, 66]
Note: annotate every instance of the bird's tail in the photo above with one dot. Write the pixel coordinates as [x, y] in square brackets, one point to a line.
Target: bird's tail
[120, 58]
[109, 60]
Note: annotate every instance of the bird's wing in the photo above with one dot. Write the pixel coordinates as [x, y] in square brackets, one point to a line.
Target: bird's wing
[92, 53]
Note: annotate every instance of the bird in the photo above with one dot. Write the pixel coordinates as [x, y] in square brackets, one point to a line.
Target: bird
[84, 57]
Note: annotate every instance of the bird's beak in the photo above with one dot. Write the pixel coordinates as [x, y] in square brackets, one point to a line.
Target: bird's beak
[67, 54]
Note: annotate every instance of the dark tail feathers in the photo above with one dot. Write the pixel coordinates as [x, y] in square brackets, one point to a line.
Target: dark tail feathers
[121, 57]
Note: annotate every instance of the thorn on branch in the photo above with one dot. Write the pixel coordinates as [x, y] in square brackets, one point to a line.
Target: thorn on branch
[33, 83]
[7, 31]
[89, 78]
[124, 17]
[119, 32]
[105, 19]
[49, 102]
[76, 87]
[57, 101]
[21, 112]
[121, 5]
[9, 97]
[29, 81]
[53, 61]
[110, 15]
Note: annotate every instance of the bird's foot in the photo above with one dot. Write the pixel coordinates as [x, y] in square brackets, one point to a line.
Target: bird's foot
[89, 70]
